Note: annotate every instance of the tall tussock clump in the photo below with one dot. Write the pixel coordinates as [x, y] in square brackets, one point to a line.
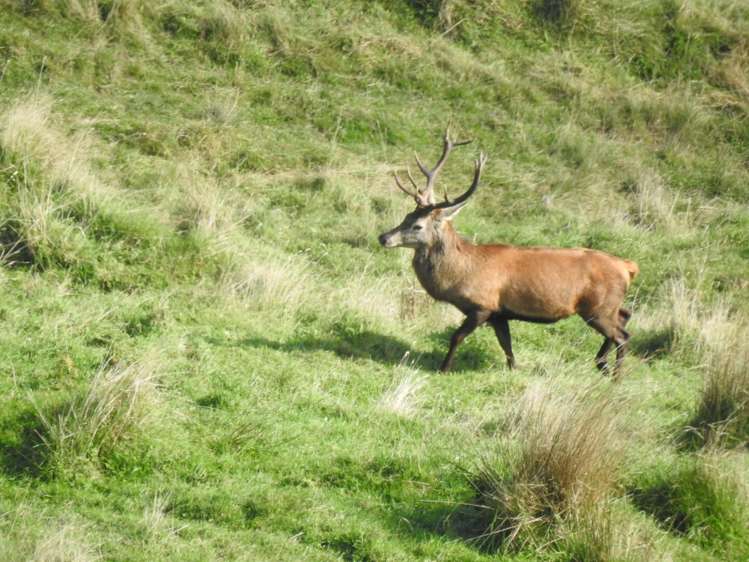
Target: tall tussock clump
[716, 337]
[29, 134]
[52, 188]
[722, 412]
[563, 453]
[114, 410]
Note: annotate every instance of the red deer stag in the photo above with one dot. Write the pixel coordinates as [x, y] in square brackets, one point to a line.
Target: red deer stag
[496, 283]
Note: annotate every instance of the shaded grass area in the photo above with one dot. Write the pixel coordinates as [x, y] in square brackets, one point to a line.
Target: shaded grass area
[690, 499]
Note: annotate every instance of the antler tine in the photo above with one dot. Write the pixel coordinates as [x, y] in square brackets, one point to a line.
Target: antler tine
[455, 143]
[412, 180]
[418, 197]
[478, 166]
[401, 186]
[431, 175]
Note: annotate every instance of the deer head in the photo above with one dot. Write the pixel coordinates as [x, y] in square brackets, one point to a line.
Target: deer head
[425, 225]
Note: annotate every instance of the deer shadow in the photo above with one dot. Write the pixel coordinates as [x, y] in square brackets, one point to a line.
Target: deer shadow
[462, 521]
[23, 454]
[348, 343]
[653, 343]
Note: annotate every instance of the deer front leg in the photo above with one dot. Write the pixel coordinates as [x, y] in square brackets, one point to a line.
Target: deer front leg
[502, 330]
[472, 321]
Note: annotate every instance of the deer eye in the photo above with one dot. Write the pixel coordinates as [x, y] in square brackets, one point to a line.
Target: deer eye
[417, 227]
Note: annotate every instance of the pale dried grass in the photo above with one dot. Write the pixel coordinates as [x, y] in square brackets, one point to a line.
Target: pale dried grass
[51, 174]
[269, 280]
[28, 131]
[120, 403]
[65, 543]
[722, 412]
[654, 206]
[200, 205]
[565, 462]
[404, 395]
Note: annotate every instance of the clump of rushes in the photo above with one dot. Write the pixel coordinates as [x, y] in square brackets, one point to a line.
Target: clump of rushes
[113, 411]
[722, 413]
[559, 466]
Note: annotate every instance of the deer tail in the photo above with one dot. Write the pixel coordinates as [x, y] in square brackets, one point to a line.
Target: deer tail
[632, 268]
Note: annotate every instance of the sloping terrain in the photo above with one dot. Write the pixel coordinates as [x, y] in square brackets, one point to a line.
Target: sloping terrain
[205, 354]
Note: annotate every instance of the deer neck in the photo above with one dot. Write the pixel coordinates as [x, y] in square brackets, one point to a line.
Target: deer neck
[444, 264]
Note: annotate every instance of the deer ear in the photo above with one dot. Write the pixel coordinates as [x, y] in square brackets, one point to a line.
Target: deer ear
[449, 213]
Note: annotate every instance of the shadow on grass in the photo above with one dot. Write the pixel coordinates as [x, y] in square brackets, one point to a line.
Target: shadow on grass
[661, 501]
[690, 500]
[23, 455]
[465, 522]
[718, 423]
[350, 343]
[653, 343]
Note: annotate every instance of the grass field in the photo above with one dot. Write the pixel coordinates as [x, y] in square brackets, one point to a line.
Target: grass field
[205, 354]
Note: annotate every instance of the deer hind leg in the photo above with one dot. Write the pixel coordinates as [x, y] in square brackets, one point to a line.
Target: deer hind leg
[624, 316]
[502, 330]
[602, 355]
[472, 321]
[621, 348]
[614, 334]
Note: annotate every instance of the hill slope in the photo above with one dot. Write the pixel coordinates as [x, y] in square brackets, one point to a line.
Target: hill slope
[206, 355]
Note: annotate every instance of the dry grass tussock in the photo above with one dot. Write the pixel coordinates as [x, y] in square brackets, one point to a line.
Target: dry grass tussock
[683, 324]
[565, 458]
[690, 325]
[119, 403]
[157, 523]
[29, 133]
[404, 395]
[722, 414]
[680, 320]
[111, 15]
[225, 22]
[269, 279]
[733, 71]
[654, 206]
[372, 298]
[65, 543]
[50, 174]
[607, 531]
[649, 205]
[254, 275]
[199, 204]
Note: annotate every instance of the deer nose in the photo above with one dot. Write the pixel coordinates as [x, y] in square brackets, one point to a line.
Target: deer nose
[382, 238]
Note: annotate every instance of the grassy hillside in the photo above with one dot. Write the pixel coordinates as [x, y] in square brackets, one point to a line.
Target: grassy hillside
[205, 354]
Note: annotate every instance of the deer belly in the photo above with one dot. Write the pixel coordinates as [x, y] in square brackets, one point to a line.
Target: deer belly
[537, 306]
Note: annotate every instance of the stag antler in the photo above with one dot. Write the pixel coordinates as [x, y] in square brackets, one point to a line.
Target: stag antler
[478, 166]
[421, 201]
[425, 197]
[431, 175]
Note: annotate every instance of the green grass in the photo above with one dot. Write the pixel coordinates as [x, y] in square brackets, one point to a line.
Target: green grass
[206, 355]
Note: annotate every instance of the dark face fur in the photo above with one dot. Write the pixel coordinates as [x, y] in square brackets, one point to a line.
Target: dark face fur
[421, 227]
[417, 229]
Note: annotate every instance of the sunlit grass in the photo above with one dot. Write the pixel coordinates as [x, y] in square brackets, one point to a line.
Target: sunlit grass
[207, 355]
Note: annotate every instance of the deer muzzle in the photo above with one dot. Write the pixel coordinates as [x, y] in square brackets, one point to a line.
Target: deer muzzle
[390, 239]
